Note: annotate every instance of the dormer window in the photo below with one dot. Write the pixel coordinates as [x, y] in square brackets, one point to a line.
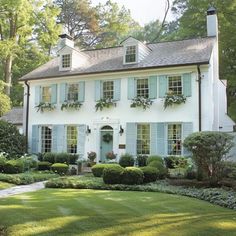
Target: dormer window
[65, 61]
[130, 54]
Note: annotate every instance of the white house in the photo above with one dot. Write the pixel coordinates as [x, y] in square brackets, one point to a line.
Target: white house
[120, 74]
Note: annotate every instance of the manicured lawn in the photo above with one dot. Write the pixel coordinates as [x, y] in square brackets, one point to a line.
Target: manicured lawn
[4, 185]
[107, 213]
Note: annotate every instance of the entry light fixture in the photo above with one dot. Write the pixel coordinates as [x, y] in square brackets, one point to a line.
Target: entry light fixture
[121, 130]
[88, 131]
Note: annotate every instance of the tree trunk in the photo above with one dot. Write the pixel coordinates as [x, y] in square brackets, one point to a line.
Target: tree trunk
[7, 74]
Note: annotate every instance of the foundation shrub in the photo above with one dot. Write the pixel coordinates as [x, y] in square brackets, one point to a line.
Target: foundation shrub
[132, 176]
[126, 160]
[60, 168]
[112, 174]
[150, 174]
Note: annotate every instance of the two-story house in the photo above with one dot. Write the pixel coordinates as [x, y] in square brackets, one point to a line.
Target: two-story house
[69, 87]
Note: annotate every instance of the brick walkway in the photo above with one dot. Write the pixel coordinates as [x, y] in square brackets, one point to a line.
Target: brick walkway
[21, 189]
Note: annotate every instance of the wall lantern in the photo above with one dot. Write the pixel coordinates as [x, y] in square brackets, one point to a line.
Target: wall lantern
[88, 131]
[121, 130]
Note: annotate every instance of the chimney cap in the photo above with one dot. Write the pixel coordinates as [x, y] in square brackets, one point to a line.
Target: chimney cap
[211, 11]
[65, 36]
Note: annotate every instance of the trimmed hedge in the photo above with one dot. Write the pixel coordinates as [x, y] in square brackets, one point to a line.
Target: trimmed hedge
[132, 175]
[13, 167]
[142, 160]
[3, 160]
[154, 158]
[62, 157]
[150, 174]
[113, 174]
[126, 160]
[49, 157]
[161, 169]
[60, 168]
[44, 165]
[98, 169]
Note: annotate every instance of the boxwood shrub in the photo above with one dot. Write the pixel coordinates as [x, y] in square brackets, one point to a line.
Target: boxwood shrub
[60, 168]
[150, 174]
[44, 165]
[132, 175]
[154, 158]
[112, 174]
[142, 160]
[126, 160]
[161, 169]
[98, 169]
[13, 167]
[2, 163]
[49, 157]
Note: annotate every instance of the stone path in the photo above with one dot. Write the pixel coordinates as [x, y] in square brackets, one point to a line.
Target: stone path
[21, 189]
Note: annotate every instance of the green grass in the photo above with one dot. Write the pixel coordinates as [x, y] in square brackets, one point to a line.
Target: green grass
[4, 185]
[106, 213]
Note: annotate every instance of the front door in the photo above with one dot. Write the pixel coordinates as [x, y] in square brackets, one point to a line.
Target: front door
[106, 142]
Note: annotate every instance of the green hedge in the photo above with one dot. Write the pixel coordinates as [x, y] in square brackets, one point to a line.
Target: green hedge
[132, 175]
[62, 157]
[154, 158]
[98, 169]
[13, 166]
[161, 169]
[150, 174]
[44, 165]
[113, 174]
[126, 160]
[60, 168]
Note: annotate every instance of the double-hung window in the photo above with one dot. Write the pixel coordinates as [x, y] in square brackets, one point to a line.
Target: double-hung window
[174, 139]
[46, 94]
[175, 84]
[73, 92]
[130, 54]
[46, 139]
[108, 89]
[142, 87]
[65, 61]
[72, 138]
[143, 139]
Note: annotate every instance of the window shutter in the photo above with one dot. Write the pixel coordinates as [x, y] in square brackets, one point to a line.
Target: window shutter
[131, 88]
[163, 85]
[187, 85]
[117, 89]
[153, 145]
[54, 94]
[81, 140]
[152, 84]
[37, 95]
[97, 90]
[131, 137]
[187, 130]
[81, 91]
[58, 138]
[35, 139]
[161, 139]
[63, 92]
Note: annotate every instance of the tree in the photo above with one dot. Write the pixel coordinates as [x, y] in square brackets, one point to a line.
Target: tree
[5, 102]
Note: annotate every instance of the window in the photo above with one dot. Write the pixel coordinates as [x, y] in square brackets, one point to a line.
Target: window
[65, 61]
[143, 139]
[46, 139]
[175, 84]
[174, 139]
[142, 88]
[72, 139]
[130, 54]
[108, 89]
[46, 94]
[73, 92]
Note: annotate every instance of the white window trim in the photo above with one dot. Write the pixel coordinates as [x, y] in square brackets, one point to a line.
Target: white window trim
[65, 68]
[136, 53]
[102, 82]
[180, 75]
[67, 89]
[142, 123]
[40, 137]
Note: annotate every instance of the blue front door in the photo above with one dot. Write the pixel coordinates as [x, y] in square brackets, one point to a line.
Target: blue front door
[106, 143]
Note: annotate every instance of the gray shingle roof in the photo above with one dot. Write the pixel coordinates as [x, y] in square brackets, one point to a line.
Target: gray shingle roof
[185, 52]
[14, 116]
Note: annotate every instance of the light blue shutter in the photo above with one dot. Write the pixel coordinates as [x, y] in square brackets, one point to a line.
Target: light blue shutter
[117, 90]
[35, 139]
[37, 95]
[81, 91]
[63, 92]
[54, 94]
[163, 85]
[161, 139]
[97, 90]
[152, 84]
[153, 145]
[131, 88]
[187, 85]
[131, 138]
[81, 140]
[187, 130]
[58, 138]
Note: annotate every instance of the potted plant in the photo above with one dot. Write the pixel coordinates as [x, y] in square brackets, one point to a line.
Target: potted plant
[75, 105]
[172, 99]
[45, 106]
[104, 103]
[141, 102]
[91, 157]
[111, 156]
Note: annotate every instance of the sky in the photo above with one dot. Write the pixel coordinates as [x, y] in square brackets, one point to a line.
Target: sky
[143, 11]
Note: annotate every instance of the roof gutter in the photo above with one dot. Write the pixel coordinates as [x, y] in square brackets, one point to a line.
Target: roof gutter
[27, 115]
[199, 98]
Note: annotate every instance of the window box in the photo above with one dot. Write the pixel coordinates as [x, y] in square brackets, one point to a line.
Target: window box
[71, 105]
[104, 103]
[173, 99]
[45, 106]
[141, 102]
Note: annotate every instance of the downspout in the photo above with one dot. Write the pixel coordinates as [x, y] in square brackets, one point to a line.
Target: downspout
[199, 98]
[27, 114]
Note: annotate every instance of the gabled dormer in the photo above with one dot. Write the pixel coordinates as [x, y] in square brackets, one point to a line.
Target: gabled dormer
[134, 51]
[69, 56]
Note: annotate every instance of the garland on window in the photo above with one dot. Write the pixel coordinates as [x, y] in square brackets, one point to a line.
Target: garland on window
[107, 138]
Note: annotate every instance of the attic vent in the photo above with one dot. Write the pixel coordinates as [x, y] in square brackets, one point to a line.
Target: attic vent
[130, 54]
[66, 61]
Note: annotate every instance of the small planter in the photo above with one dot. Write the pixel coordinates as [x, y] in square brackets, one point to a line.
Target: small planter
[173, 99]
[111, 156]
[141, 102]
[71, 105]
[45, 106]
[104, 103]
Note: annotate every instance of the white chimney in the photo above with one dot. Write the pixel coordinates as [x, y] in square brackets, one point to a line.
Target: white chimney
[66, 40]
[212, 22]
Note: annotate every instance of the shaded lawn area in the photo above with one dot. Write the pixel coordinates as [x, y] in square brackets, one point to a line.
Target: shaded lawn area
[105, 213]
[4, 185]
